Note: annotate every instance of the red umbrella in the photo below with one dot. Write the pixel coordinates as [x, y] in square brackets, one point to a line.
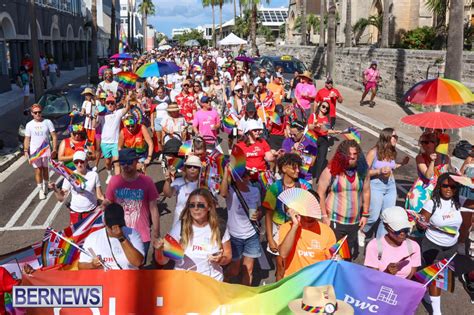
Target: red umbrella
[438, 120]
[439, 92]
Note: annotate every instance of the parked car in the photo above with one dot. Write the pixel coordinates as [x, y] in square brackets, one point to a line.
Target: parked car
[57, 105]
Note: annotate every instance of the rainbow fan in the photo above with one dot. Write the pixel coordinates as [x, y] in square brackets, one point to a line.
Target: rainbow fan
[185, 148]
[135, 111]
[237, 163]
[302, 201]
[172, 249]
[463, 180]
[352, 133]
[127, 79]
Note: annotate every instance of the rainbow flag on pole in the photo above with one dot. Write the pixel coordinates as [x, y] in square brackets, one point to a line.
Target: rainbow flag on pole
[43, 148]
[352, 133]
[341, 248]
[440, 273]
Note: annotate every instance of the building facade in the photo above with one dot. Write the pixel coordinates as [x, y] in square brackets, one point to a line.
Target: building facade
[129, 9]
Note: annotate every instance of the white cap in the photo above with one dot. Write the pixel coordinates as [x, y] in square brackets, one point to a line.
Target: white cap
[79, 155]
[237, 87]
[253, 124]
[193, 160]
[396, 218]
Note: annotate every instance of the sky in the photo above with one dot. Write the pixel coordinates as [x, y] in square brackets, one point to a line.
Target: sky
[190, 13]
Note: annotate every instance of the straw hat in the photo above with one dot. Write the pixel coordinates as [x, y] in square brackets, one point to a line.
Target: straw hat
[173, 107]
[88, 91]
[307, 75]
[322, 298]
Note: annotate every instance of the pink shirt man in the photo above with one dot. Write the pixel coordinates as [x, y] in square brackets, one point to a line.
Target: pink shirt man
[205, 121]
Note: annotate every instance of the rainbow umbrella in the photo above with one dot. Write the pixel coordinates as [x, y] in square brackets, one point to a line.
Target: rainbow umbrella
[127, 79]
[157, 69]
[122, 56]
[439, 92]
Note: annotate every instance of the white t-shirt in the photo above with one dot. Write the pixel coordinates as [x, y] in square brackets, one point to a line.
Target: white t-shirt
[445, 215]
[183, 190]
[111, 126]
[84, 200]
[87, 107]
[197, 253]
[109, 86]
[38, 131]
[98, 242]
[172, 126]
[52, 68]
[161, 108]
[238, 223]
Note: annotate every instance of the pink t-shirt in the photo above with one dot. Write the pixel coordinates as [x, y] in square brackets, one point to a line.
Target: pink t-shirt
[205, 120]
[392, 254]
[134, 197]
[371, 75]
[305, 88]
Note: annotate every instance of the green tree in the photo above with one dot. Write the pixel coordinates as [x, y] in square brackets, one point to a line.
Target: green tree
[212, 4]
[146, 8]
[242, 25]
[193, 34]
[266, 32]
[419, 38]
[439, 8]
[312, 23]
[253, 5]
[360, 26]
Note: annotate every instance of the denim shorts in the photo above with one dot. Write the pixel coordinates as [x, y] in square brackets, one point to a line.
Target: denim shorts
[158, 126]
[109, 150]
[249, 247]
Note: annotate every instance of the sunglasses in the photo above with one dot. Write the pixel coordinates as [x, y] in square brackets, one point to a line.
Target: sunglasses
[36, 113]
[186, 85]
[110, 103]
[192, 166]
[395, 137]
[198, 86]
[124, 163]
[238, 91]
[79, 162]
[405, 230]
[324, 107]
[452, 187]
[426, 141]
[198, 205]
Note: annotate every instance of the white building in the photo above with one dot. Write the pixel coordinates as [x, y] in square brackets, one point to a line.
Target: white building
[179, 31]
[206, 31]
[136, 27]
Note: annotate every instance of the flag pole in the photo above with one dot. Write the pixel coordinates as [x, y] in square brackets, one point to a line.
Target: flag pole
[78, 247]
[340, 245]
[439, 271]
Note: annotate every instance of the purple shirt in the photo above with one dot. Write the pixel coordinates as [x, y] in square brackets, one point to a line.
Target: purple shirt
[307, 150]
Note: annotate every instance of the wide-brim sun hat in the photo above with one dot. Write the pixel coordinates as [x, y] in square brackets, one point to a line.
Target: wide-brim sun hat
[173, 108]
[321, 298]
[306, 74]
[88, 91]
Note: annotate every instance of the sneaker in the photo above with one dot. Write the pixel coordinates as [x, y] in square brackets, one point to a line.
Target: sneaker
[41, 194]
[107, 181]
[361, 238]
[468, 286]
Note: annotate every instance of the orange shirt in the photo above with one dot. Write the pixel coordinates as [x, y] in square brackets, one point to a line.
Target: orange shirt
[311, 246]
[278, 92]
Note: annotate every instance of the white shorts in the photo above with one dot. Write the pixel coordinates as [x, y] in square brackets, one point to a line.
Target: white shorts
[26, 90]
[41, 162]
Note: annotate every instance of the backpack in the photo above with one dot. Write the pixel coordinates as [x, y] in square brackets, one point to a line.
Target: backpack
[380, 248]
[462, 149]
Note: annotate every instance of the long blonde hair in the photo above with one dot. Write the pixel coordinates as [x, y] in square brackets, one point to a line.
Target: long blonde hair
[213, 219]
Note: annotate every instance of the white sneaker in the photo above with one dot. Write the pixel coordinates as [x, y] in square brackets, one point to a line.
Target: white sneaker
[107, 181]
[41, 195]
[361, 238]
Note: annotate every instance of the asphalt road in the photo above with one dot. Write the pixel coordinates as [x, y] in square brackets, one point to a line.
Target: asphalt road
[23, 217]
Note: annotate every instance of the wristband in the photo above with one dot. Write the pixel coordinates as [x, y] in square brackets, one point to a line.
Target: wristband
[365, 215]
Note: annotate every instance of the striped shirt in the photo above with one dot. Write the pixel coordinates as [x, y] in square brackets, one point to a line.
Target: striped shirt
[344, 200]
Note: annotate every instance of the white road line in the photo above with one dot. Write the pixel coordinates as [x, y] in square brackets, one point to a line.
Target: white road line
[402, 148]
[12, 168]
[52, 215]
[38, 208]
[20, 228]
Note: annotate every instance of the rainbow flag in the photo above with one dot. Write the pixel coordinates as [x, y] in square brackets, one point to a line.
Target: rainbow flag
[127, 80]
[341, 248]
[275, 118]
[311, 136]
[176, 162]
[43, 148]
[238, 163]
[229, 123]
[444, 279]
[185, 148]
[172, 249]
[352, 133]
[451, 230]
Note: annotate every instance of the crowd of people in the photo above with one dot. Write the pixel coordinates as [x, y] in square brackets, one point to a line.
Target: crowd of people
[130, 128]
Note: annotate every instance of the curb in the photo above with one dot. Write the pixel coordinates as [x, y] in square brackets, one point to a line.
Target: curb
[10, 159]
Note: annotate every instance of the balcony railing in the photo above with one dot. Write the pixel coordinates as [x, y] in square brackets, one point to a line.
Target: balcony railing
[67, 6]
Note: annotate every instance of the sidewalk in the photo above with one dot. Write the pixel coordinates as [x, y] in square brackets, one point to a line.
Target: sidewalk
[386, 114]
[13, 100]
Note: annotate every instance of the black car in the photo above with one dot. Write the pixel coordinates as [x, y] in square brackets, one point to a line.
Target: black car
[289, 64]
[57, 104]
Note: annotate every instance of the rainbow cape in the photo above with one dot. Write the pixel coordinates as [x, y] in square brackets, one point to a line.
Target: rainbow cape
[172, 249]
[352, 133]
[444, 279]
[341, 248]
[185, 148]
[43, 148]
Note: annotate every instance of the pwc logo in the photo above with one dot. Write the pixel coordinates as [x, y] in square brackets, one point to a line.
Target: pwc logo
[385, 295]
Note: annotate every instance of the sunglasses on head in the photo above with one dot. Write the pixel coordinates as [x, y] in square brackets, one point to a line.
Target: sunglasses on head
[452, 187]
[199, 205]
[192, 166]
[36, 113]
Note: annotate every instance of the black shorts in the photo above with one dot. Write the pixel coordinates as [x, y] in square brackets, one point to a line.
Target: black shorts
[432, 252]
[275, 142]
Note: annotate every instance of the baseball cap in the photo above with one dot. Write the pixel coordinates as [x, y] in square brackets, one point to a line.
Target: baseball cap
[395, 217]
[193, 160]
[204, 99]
[79, 155]
[110, 98]
[128, 154]
[237, 87]
[253, 124]
[114, 215]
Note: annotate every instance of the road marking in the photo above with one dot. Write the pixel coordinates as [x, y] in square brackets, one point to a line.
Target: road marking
[53, 213]
[21, 228]
[402, 148]
[38, 208]
[12, 168]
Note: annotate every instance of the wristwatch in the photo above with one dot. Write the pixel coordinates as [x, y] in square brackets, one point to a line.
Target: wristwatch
[122, 239]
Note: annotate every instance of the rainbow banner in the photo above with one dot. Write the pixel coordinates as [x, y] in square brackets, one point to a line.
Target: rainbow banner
[341, 248]
[311, 136]
[43, 148]
[181, 292]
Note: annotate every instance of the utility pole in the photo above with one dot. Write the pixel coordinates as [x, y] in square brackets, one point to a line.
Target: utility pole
[38, 84]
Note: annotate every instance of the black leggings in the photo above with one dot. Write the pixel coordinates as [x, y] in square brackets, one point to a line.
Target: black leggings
[321, 161]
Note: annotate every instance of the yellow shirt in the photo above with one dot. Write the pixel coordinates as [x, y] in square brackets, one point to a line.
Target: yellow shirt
[311, 246]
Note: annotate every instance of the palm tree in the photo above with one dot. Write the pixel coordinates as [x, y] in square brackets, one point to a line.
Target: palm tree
[322, 35]
[146, 8]
[38, 84]
[348, 29]
[439, 8]
[360, 26]
[385, 23]
[331, 52]
[221, 4]
[113, 27]
[94, 69]
[303, 22]
[212, 3]
[312, 24]
[235, 11]
[253, 21]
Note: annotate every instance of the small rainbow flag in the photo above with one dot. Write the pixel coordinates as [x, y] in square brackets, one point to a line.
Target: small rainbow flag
[237, 162]
[275, 118]
[185, 148]
[352, 133]
[311, 136]
[341, 248]
[44, 147]
[197, 67]
[451, 230]
[172, 249]
[176, 162]
[127, 80]
[229, 123]
[443, 280]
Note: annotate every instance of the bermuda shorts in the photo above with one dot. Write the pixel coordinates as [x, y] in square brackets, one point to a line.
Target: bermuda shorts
[109, 150]
[41, 162]
[249, 247]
